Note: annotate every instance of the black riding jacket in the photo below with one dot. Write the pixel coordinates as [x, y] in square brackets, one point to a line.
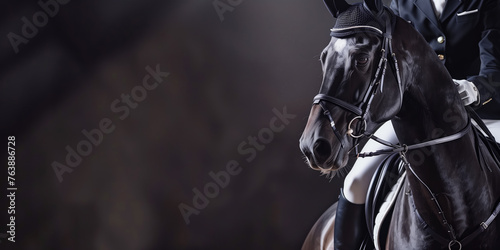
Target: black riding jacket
[466, 38]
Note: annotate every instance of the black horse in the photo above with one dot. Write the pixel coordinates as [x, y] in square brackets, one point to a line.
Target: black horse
[376, 68]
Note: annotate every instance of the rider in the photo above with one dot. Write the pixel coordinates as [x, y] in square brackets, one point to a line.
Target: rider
[465, 36]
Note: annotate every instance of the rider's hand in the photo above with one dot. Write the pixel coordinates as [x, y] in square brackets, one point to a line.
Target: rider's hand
[468, 92]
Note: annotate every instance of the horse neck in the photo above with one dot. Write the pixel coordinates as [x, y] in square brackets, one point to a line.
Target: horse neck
[432, 109]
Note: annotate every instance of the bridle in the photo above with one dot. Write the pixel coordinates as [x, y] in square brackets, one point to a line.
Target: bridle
[361, 111]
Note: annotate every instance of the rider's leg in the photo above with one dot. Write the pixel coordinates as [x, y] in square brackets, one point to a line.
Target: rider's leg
[350, 224]
[357, 181]
[494, 127]
[349, 229]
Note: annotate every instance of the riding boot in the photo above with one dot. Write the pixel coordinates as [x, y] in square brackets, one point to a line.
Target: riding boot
[350, 224]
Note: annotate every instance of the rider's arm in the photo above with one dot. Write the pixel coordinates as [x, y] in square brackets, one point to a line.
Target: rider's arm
[488, 79]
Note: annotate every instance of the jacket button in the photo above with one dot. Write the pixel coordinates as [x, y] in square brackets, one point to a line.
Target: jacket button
[440, 39]
[441, 57]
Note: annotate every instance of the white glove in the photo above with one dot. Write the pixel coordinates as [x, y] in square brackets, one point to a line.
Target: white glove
[468, 92]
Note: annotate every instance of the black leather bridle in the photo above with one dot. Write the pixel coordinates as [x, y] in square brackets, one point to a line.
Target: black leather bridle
[361, 110]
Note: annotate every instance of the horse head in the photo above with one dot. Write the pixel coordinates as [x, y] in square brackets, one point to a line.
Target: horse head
[350, 102]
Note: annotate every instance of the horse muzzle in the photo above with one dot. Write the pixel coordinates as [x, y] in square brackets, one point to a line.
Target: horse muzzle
[323, 153]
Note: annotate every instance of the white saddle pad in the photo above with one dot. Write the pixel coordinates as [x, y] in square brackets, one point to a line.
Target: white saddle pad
[384, 209]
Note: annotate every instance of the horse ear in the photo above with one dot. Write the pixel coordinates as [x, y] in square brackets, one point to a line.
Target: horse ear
[375, 6]
[336, 6]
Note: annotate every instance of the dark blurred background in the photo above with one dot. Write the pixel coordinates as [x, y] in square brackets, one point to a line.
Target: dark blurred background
[230, 63]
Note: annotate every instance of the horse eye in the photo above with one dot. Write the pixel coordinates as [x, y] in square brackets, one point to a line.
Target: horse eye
[361, 60]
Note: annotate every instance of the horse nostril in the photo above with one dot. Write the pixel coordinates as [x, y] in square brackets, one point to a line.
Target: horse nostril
[322, 150]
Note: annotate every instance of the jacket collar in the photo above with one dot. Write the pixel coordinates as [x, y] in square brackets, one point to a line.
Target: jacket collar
[425, 7]
[450, 8]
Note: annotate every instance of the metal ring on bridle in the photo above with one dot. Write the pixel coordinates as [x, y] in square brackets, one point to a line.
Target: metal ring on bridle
[452, 242]
[350, 131]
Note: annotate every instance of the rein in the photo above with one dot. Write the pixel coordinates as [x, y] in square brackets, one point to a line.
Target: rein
[396, 148]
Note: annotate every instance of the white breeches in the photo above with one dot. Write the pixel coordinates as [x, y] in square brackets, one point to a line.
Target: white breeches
[494, 127]
[357, 181]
